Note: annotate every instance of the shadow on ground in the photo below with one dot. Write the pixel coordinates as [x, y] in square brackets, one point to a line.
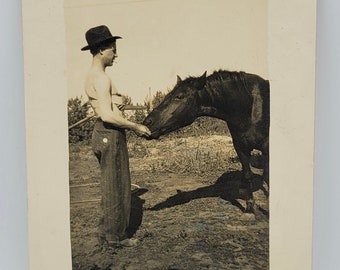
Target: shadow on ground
[229, 186]
[136, 215]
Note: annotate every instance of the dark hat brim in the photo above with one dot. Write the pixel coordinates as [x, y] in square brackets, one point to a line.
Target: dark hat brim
[89, 47]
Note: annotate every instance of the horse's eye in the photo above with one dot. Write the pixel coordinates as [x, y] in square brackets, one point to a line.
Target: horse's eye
[180, 96]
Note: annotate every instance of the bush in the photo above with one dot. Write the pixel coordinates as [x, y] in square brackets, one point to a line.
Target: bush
[157, 98]
[139, 115]
[78, 111]
[202, 126]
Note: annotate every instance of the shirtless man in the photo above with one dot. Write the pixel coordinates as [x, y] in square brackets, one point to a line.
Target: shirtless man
[109, 140]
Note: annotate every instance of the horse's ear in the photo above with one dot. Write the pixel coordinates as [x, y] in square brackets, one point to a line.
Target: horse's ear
[179, 79]
[201, 81]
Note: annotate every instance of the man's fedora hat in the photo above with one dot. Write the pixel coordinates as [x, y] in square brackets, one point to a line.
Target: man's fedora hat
[97, 35]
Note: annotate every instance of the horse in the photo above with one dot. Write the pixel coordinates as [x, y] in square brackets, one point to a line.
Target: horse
[240, 99]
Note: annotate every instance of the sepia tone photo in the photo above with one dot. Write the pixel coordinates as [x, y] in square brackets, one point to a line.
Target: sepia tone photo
[168, 129]
[169, 134]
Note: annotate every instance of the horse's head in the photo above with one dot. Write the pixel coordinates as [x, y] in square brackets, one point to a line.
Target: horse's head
[178, 109]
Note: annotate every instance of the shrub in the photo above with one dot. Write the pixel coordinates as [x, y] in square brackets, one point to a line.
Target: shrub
[139, 115]
[76, 112]
[200, 127]
[157, 99]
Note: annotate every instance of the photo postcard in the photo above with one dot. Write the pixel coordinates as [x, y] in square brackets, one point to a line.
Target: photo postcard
[169, 134]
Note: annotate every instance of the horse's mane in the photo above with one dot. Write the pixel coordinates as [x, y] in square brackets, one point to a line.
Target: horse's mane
[236, 76]
[221, 74]
[229, 75]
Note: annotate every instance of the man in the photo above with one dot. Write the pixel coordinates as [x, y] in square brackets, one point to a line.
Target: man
[109, 140]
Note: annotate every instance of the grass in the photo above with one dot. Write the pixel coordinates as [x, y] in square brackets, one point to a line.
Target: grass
[200, 148]
[190, 155]
[197, 155]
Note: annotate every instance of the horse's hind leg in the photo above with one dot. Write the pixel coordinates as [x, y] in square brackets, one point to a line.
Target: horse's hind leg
[265, 155]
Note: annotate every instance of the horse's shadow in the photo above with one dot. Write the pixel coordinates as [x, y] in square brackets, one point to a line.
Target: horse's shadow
[229, 186]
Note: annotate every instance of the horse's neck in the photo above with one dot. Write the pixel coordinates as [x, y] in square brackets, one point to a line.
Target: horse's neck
[212, 100]
[212, 112]
[219, 99]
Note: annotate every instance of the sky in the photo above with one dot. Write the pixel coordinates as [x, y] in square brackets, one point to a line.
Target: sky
[166, 38]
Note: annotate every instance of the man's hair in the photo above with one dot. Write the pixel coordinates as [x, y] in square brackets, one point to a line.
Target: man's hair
[102, 46]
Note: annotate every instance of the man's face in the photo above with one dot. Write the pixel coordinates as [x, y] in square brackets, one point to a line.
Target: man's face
[110, 54]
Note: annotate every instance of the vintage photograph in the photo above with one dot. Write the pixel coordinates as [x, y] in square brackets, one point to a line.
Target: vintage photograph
[168, 130]
[153, 128]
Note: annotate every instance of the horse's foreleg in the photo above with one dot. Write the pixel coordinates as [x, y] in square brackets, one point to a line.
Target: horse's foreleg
[244, 156]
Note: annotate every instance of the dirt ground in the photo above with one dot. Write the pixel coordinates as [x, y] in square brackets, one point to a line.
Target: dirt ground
[184, 218]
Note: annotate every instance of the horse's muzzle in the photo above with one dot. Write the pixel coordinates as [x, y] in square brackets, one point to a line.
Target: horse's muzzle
[147, 122]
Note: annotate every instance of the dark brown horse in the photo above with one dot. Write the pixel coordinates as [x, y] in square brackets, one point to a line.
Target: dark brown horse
[239, 98]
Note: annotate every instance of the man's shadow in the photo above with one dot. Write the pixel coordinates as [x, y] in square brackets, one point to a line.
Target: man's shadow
[229, 186]
[136, 215]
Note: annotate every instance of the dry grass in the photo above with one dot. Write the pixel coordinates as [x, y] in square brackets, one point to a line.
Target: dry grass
[194, 155]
